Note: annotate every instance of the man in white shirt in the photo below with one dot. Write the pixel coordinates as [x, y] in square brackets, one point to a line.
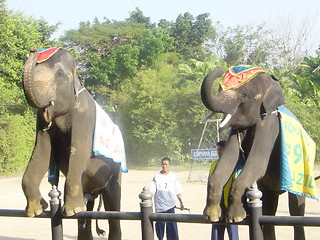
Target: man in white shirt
[165, 186]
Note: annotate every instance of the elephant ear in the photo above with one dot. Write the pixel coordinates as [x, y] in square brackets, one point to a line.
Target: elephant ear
[273, 97]
[78, 84]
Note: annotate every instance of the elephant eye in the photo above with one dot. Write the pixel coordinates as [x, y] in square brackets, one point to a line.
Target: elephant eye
[59, 74]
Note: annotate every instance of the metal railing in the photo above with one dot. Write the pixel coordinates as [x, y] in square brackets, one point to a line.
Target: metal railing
[255, 219]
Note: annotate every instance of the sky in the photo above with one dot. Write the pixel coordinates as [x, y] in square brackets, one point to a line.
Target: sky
[276, 13]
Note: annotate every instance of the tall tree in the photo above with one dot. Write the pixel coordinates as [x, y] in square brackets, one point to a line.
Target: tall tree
[18, 34]
[161, 109]
[113, 51]
[246, 44]
[138, 17]
[190, 34]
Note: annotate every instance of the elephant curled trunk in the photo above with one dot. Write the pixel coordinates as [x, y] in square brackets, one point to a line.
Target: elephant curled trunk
[28, 81]
[209, 100]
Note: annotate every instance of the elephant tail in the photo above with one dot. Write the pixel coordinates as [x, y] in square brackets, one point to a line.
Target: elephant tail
[101, 233]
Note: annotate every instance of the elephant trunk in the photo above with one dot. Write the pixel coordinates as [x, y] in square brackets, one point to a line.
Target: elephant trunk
[28, 80]
[209, 100]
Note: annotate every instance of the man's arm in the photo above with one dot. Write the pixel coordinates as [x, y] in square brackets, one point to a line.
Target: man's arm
[179, 196]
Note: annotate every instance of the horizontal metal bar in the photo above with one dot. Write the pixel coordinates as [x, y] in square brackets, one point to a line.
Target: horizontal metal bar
[172, 217]
[107, 215]
[290, 221]
[21, 213]
[187, 218]
[88, 214]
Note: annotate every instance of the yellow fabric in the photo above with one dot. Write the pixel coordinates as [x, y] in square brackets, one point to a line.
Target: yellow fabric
[227, 187]
[300, 150]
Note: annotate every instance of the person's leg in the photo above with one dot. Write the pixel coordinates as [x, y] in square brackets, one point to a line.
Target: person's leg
[220, 231]
[214, 232]
[233, 232]
[172, 228]
[160, 230]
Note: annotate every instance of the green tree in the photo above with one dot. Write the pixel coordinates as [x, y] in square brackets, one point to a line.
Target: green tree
[190, 35]
[99, 39]
[246, 45]
[307, 78]
[138, 17]
[303, 93]
[18, 34]
[161, 109]
[146, 119]
[106, 72]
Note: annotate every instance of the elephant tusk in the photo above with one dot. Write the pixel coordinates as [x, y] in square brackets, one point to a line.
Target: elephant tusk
[225, 121]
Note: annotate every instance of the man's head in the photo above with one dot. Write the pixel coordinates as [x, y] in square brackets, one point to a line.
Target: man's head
[165, 162]
[220, 147]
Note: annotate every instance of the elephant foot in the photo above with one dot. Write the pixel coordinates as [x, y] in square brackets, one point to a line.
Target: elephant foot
[212, 213]
[72, 207]
[36, 207]
[235, 213]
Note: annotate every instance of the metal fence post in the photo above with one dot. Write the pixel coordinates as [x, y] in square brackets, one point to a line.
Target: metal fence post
[56, 217]
[146, 210]
[255, 212]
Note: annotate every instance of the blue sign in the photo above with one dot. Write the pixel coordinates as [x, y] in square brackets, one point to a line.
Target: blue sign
[204, 154]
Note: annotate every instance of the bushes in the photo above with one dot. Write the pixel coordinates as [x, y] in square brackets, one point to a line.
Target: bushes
[16, 141]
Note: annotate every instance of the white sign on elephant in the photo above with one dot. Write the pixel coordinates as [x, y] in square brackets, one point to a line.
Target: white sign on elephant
[108, 141]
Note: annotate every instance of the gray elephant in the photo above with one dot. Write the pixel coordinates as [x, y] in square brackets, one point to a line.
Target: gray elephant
[249, 103]
[66, 119]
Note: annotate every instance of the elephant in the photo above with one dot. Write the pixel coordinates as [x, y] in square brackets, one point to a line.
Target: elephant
[65, 123]
[249, 111]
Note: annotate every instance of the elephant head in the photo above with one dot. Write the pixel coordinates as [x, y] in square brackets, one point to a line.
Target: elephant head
[243, 103]
[50, 83]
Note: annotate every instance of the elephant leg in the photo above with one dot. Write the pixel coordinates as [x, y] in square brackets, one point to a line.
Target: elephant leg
[265, 135]
[112, 199]
[84, 225]
[34, 173]
[222, 172]
[270, 204]
[73, 199]
[98, 173]
[297, 208]
[78, 161]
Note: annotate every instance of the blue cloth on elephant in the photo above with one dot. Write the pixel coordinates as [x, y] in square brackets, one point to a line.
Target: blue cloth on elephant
[108, 141]
[297, 156]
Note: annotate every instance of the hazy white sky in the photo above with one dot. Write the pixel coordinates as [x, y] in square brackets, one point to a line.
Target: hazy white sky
[229, 12]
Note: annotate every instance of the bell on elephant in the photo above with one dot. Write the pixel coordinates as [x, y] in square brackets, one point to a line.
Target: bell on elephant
[266, 137]
[67, 117]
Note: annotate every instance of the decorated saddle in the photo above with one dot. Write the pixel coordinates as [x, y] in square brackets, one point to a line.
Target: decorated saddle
[46, 53]
[238, 75]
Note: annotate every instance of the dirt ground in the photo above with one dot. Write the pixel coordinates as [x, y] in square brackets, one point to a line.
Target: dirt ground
[133, 182]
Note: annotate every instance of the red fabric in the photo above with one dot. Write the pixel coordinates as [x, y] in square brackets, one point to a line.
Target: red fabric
[44, 55]
[232, 80]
